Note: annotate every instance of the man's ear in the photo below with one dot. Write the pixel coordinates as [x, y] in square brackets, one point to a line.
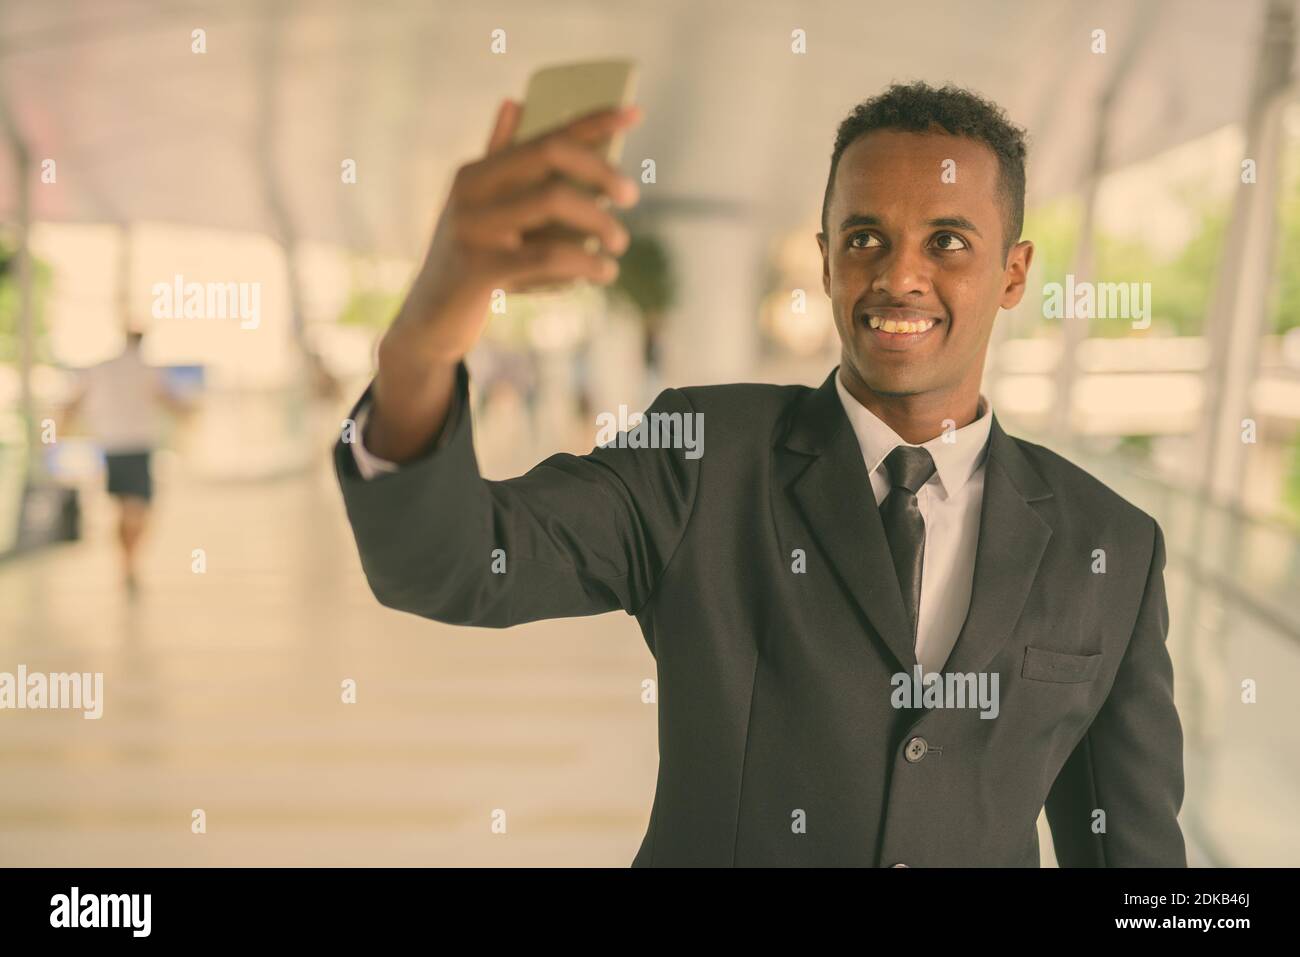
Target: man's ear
[1016, 273]
[826, 263]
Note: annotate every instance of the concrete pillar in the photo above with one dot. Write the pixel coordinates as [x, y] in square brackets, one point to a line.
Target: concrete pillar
[712, 334]
[1074, 329]
[1237, 319]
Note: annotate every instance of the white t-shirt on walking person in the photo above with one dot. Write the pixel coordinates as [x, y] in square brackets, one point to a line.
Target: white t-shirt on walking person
[121, 403]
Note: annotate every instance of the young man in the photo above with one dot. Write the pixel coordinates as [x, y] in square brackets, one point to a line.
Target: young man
[833, 547]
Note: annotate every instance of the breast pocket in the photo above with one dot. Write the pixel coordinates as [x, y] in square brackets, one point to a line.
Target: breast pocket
[1043, 665]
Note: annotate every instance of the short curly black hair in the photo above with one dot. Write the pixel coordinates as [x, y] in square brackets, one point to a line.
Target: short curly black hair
[916, 108]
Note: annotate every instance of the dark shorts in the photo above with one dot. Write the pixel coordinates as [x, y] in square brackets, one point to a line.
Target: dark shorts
[128, 474]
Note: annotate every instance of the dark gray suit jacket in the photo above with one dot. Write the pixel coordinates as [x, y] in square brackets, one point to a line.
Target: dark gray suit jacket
[778, 741]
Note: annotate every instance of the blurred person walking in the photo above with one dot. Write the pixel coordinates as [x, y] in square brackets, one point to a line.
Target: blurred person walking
[121, 401]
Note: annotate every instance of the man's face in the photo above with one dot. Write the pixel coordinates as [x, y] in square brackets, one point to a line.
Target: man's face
[907, 243]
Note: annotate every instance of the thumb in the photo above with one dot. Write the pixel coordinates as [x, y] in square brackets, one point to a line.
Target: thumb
[504, 129]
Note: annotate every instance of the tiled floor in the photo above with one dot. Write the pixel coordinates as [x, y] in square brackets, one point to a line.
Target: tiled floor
[223, 693]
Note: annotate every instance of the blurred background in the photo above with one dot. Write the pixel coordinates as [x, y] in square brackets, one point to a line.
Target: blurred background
[301, 151]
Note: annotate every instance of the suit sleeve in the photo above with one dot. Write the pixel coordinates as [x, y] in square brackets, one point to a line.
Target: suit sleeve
[575, 535]
[1129, 764]
[369, 464]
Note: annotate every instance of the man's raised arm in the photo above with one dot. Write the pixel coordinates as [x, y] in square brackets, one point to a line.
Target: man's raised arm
[486, 240]
[576, 535]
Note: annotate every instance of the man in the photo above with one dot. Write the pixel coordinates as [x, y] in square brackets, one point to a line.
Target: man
[791, 581]
[121, 400]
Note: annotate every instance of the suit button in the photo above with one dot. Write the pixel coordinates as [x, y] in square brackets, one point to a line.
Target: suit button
[916, 749]
[897, 865]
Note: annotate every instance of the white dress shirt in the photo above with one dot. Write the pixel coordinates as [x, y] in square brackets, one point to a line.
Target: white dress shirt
[368, 464]
[121, 403]
[950, 504]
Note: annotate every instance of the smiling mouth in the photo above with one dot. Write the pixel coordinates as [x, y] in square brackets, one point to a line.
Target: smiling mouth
[899, 330]
[901, 326]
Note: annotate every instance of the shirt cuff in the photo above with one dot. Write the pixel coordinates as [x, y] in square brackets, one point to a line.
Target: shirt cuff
[370, 465]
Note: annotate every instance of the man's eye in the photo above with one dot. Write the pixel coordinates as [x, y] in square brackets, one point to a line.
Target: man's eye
[941, 239]
[853, 240]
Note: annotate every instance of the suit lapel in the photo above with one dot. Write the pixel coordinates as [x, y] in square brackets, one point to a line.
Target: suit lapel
[1012, 539]
[834, 494]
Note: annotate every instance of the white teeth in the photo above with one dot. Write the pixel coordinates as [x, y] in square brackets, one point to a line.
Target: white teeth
[899, 326]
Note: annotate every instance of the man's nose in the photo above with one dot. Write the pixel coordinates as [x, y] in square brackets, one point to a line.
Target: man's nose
[903, 271]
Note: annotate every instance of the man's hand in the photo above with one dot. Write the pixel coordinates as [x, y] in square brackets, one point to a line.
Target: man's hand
[488, 238]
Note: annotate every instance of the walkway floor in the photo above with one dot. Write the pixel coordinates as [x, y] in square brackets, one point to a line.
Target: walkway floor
[223, 693]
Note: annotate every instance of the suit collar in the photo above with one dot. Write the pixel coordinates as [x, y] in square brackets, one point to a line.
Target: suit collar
[820, 417]
[834, 494]
[956, 459]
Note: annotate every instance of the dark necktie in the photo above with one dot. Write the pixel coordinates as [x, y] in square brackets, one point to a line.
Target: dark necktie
[909, 468]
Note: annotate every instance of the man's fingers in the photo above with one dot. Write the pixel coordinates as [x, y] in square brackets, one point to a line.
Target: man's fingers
[501, 226]
[506, 123]
[530, 209]
[543, 262]
[536, 162]
[599, 125]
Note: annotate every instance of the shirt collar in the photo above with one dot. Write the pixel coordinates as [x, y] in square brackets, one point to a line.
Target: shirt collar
[955, 462]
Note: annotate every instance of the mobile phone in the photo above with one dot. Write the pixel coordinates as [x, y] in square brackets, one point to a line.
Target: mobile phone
[563, 92]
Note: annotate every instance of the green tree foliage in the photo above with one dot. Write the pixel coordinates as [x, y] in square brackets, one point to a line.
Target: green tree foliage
[1286, 299]
[645, 276]
[11, 302]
